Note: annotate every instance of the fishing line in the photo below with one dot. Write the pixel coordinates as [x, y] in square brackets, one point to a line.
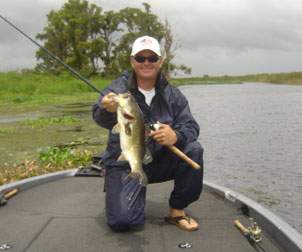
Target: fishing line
[53, 56]
[79, 76]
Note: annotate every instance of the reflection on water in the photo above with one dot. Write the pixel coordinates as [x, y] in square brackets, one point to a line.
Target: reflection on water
[252, 135]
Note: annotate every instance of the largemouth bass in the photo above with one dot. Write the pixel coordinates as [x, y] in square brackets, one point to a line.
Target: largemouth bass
[130, 126]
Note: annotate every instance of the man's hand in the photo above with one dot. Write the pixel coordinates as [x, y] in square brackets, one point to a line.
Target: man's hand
[109, 103]
[165, 135]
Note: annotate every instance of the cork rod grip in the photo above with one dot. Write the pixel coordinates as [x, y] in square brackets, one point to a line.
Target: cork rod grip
[184, 157]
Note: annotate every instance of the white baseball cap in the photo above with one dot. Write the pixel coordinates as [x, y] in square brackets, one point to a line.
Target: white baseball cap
[145, 43]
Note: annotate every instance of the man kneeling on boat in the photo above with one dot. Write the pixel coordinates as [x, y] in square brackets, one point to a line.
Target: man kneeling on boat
[159, 102]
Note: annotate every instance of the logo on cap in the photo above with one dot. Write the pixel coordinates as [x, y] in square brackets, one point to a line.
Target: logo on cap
[146, 41]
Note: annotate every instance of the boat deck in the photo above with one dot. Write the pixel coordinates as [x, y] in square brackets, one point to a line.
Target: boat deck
[68, 215]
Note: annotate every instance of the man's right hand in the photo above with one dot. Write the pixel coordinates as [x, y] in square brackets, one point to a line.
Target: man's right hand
[109, 103]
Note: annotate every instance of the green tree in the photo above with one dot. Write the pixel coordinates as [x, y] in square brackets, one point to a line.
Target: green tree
[71, 34]
[92, 41]
[108, 32]
[134, 22]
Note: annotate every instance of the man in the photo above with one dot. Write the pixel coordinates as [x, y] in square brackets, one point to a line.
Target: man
[159, 102]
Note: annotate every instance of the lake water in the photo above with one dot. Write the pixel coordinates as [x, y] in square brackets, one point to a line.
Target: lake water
[252, 136]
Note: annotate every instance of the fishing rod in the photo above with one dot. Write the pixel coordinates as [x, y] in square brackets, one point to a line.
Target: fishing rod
[53, 56]
[174, 149]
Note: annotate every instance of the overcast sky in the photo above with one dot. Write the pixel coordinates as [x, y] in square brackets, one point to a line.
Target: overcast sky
[217, 37]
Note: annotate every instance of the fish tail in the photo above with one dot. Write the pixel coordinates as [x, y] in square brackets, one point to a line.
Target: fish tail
[140, 176]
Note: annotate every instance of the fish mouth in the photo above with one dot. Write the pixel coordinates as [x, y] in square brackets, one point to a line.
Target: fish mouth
[128, 116]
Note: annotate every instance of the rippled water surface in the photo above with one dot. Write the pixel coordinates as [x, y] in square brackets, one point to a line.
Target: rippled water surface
[252, 136]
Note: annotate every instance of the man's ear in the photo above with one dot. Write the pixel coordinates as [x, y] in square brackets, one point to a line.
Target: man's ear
[161, 62]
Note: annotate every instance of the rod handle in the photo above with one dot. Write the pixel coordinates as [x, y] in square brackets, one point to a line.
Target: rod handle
[241, 228]
[184, 157]
[11, 193]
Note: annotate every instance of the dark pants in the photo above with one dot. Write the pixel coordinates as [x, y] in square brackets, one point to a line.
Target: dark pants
[125, 197]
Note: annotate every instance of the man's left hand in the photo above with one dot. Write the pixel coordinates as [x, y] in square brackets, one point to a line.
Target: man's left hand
[165, 135]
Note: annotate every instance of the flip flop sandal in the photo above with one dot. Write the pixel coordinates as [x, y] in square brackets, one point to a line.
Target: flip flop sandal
[177, 221]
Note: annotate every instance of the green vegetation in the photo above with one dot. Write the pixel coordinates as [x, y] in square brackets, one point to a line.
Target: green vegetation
[278, 78]
[202, 81]
[27, 84]
[94, 41]
[56, 136]
[7, 131]
[51, 160]
[55, 130]
[45, 121]
[61, 133]
[31, 91]
[64, 156]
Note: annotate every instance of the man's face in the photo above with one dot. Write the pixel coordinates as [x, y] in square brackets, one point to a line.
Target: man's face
[146, 69]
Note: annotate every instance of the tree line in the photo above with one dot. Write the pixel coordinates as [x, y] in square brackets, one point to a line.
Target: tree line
[94, 41]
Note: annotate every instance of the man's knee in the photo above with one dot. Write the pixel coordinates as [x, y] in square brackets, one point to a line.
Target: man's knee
[195, 151]
[122, 222]
[118, 222]
[125, 201]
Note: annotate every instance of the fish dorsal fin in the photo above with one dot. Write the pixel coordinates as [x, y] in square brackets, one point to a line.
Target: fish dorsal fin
[147, 157]
[116, 129]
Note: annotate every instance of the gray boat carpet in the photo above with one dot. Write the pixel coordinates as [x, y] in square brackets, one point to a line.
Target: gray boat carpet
[68, 215]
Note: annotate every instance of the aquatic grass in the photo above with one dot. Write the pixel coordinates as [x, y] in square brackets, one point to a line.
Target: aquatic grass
[22, 99]
[7, 130]
[9, 105]
[26, 169]
[27, 100]
[45, 121]
[64, 156]
[50, 160]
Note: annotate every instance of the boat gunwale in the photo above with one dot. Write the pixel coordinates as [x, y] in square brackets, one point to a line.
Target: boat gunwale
[285, 235]
[37, 180]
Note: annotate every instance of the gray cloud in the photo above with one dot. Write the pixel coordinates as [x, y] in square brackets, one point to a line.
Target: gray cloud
[216, 36]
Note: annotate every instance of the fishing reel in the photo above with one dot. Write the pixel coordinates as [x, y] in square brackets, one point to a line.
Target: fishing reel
[253, 232]
[154, 126]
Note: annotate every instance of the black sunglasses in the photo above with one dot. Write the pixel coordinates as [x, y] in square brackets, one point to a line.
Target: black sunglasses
[151, 59]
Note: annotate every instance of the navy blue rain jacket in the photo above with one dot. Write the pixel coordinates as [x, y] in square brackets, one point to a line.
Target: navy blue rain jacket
[168, 106]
